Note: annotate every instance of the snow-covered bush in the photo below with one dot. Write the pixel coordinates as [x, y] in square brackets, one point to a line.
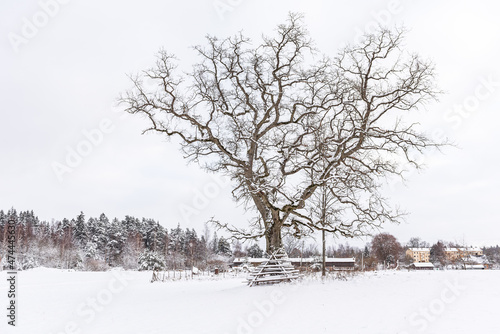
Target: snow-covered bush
[94, 265]
[29, 262]
[151, 261]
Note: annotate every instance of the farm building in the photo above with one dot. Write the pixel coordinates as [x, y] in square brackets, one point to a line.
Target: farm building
[331, 263]
[421, 266]
[474, 266]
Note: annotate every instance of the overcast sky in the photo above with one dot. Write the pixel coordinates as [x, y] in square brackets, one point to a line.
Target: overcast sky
[64, 63]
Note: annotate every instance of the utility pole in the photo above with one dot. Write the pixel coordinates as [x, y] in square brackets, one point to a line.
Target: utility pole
[323, 272]
[362, 260]
[323, 267]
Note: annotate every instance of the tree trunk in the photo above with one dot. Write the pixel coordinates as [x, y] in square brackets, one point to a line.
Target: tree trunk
[273, 237]
[273, 224]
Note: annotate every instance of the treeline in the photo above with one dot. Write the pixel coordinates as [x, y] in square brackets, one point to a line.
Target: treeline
[492, 254]
[98, 243]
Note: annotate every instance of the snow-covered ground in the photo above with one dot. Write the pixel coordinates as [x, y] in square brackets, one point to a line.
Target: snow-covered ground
[55, 302]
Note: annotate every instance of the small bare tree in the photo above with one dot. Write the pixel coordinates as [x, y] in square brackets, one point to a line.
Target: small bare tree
[282, 121]
[290, 243]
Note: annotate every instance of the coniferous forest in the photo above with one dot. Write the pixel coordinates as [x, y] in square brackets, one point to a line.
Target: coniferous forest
[100, 243]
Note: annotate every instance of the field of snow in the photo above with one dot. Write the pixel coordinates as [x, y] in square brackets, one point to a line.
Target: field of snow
[120, 302]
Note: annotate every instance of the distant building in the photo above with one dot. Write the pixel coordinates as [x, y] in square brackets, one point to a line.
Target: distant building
[459, 253]
[452, 253]
[419, 254]
[474, 266]
[421, 266]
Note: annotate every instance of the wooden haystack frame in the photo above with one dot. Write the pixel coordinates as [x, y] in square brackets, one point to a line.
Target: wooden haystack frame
[276, 269]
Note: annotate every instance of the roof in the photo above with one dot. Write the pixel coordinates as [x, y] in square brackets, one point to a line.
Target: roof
[416, 249]
[481, 259]
[474, 266]
[463, 249]
[422, 265]
[472, 249]
[250, 259]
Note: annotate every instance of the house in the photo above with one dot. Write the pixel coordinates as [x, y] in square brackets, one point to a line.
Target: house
[421, 266]
[452, 253]
[473, 267]
[347, 263]
[459, 253]
[419, 254]
[476, 251]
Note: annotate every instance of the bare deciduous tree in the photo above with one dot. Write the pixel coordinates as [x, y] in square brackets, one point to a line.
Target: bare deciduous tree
[282, 121]
[438, 253]
[291, 244]
[386, 248]
[416, 242]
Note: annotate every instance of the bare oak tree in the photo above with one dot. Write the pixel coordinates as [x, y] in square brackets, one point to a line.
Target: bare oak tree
[281, 120]
[386, 248]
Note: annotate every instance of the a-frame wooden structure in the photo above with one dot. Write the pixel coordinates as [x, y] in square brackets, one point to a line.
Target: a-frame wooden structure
[274, 270]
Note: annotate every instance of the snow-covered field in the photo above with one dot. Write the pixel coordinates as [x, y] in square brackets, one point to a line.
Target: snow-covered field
[56, 302]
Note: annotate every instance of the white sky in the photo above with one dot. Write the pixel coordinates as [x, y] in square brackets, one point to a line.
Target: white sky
[65, 77]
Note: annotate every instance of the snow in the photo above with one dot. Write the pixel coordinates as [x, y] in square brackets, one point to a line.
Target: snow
[413, 249]
[464, 249]
[54, 302]
[479, 259]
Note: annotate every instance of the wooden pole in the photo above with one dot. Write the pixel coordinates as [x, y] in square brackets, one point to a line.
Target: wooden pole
[323, 267]
[323, 270]
[362, 261]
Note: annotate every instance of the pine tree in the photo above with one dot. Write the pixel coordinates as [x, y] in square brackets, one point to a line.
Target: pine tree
[255, 251]
[116, 242]
[12, 214]
[3, 218]
[80, 233]
[177, 240]
[96, 234]
[366, 252]
[223, 247]
[214, 244]
[237, 249]
[201, 252]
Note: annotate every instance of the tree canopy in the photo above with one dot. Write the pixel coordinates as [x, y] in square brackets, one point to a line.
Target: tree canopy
[282, 120]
